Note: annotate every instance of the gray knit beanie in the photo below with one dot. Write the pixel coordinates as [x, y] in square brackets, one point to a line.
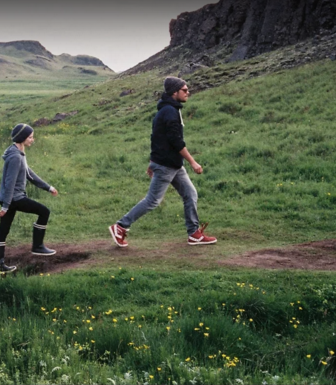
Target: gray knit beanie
[173, 84]
[21, 132]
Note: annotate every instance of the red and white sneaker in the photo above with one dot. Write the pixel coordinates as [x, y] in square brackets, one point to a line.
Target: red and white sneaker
[199, 238]
[118, 234]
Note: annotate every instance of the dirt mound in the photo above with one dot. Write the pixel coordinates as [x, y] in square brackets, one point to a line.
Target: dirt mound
[320, 255]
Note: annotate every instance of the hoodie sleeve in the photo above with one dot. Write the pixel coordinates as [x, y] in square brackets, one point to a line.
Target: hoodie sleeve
[174, 128]
[36, 180]
[12, 172]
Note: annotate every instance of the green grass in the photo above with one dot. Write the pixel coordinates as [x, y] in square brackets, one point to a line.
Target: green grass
[19, 92]
[137, 326]
[266, 145]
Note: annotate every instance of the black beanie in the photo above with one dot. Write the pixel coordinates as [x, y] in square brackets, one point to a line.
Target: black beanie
[21, 132]
[173, 84]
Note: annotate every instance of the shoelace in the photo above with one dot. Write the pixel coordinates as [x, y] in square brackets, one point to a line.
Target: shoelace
[124, 234]
[203, 227]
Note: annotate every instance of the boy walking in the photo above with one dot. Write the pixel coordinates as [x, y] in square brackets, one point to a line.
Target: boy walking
[13, 195]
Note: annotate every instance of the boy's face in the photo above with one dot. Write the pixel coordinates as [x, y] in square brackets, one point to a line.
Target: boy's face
[29, 141]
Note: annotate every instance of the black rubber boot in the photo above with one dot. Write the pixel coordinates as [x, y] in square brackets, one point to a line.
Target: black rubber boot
[4, 268]
[38, 246]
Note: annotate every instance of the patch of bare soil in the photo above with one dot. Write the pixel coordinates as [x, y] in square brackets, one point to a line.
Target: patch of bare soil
[320, 255]
[68, 256]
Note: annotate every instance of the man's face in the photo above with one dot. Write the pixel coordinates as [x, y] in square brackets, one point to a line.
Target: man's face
[181, 95]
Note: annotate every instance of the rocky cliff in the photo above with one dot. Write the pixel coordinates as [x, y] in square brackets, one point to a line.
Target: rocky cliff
[251, 27]
[233, 30]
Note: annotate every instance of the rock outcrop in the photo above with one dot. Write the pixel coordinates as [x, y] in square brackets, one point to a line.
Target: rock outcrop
[29, 46]
[83, 60]
[251, 27]
[233, 30]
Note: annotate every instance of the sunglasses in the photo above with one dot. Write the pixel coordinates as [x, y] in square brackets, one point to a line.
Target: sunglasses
[185, 90]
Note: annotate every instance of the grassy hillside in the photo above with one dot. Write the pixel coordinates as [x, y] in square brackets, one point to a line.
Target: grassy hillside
[267, 147]
[28, 58]
[29, 72]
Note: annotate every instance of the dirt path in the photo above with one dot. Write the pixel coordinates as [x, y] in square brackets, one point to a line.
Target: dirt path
[319, 255]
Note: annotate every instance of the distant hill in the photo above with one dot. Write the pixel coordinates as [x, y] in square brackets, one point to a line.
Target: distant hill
[30, 58]
[232, 30]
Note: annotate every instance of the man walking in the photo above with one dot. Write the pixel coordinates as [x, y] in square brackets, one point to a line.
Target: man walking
[168, 150]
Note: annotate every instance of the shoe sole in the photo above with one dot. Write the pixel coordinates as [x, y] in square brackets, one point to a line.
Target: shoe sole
[202, 243]
[114, 238]
[47, 254]
[7, 272]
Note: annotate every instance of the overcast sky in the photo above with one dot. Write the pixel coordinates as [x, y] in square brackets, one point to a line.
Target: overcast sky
[120, 33]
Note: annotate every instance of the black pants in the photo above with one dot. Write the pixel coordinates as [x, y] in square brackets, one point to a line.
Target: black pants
[25, 205]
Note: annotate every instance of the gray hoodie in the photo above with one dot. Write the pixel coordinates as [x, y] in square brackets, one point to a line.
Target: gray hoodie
[15, 175]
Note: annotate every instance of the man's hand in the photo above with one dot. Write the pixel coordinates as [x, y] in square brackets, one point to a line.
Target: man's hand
[149, 172]
[196, 167]
[2, 213]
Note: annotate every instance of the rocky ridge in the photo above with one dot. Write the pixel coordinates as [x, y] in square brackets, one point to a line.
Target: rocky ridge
[28, 57]
[232, 30]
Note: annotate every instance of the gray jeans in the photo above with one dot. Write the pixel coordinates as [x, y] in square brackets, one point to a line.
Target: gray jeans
[163, 176]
